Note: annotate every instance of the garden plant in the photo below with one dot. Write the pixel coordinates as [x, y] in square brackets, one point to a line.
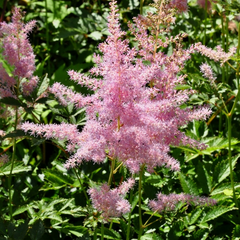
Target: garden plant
[119, 120]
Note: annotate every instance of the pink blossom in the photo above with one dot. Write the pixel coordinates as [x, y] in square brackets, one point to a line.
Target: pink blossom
[135, 113]
[180, 5]
[18, 52]
[168, 202]
[217, 55]
[111, 202]
[207, 72]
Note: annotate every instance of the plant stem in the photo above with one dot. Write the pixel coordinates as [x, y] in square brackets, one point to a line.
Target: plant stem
[111, 172]
[102, 231]
[11, 169]
[47, 35]
[205, 22]
[129, 216]
[140, 202]
[141, 6]
[230, 156]
[82, 187]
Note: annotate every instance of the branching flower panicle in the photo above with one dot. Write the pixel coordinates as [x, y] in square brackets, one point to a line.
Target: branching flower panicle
[18, 53]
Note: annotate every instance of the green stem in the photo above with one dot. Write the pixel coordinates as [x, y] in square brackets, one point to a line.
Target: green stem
[205, 22]
[47, 35]
[129, 216]
[110, 227]
[230, 156]
[102, 231]
[141, 7]
[111, 172]
[238, 54]
[226, 47]
[140, 202]
[223, 46]
[11, 169]
[82, 187]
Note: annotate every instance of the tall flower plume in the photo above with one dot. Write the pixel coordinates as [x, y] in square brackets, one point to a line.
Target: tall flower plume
[135, 113]
[18, 53]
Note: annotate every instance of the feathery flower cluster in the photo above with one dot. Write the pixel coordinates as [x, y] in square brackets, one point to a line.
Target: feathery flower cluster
[168, 202]
[217, 55]
[111, 202]
[18, 52]
[207, 72]
[180, 5]
[135, 113]
[63, 131]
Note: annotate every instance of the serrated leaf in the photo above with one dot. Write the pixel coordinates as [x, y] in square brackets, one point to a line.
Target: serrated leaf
[43, 86]
[216, 211]
[195, 215]
[216, 143]
[188, 185]
[204, 178]
[18, 167]
[225, 186]
[222, 169]
[57, 177]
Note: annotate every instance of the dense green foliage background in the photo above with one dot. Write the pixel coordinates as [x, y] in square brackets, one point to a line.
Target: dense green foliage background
[49, 201]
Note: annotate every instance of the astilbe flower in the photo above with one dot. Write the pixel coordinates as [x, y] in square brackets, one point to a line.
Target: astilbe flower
[126, 119]
[217, 55]
[208, 73]
[168, 202]
[136, 112]
[111, 202]
[18, 52]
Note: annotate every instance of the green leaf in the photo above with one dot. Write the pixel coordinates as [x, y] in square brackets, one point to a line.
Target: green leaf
[37, 230]
[182, 87]
[57, 177]
[16, 133]
[20, 210]
[194, 215]
[78, 231]
[188, 185]
[200, 234]
[216, 211]
[204, 178]
[222, 169]
[43, 86]
[8, 68]
[236, 231]
[216, 143]
[226, 186]
[18, 167]
[95, 35]
[12, 101]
